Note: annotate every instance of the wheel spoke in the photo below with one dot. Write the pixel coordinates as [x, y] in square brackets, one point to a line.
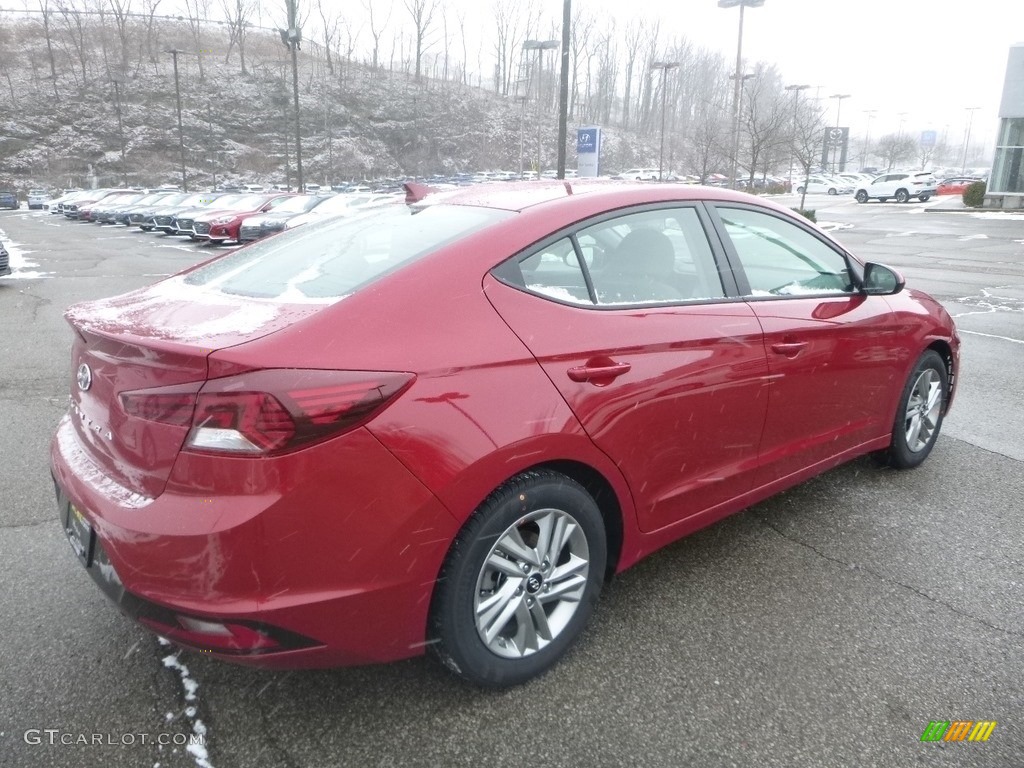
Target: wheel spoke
[563, 530]
[504, 566]
[570, 590]
[914, 432]
[512, 543]
[526, 633]
[498, 614]
[540, 620]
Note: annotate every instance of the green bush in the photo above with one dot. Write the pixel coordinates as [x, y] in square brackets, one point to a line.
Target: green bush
[974, 195]
[807, 214]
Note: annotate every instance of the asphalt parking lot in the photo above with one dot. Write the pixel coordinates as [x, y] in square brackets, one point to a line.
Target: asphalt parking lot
[825, 627]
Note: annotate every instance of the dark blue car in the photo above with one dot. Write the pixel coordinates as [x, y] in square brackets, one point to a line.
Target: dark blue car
[9, 200]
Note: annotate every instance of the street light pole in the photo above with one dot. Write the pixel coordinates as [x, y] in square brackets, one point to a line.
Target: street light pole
[664, 66]
[792, 146]
[563, 87]
[181, 134]
[967, 138]
[292, 37]
[839, 106]
[739, 80]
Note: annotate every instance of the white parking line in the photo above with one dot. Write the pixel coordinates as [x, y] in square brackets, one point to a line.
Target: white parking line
[991, 336]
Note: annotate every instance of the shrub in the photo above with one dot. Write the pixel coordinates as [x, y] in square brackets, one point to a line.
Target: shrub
[974, 195]
[809, 215]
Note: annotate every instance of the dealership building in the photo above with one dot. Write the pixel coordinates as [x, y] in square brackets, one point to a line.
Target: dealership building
[1006, 184]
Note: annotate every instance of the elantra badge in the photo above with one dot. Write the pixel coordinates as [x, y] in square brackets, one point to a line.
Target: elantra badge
[84, 377]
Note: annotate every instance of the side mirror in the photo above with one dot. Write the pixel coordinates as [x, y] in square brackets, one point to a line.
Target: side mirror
[880, 280]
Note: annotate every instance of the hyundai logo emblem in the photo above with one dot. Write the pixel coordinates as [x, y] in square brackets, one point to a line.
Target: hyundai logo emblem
[84, 377]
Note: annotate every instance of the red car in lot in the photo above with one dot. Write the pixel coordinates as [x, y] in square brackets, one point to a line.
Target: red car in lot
[221, 225]
[443, 426]
[954, 186]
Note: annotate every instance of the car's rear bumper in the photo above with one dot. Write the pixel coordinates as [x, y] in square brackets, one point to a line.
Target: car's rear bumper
[338, 568]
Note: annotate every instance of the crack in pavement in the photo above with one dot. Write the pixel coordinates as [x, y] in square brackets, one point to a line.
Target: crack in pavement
[888, 580]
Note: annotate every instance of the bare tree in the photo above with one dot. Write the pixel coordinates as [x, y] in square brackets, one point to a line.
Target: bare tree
[44, 9]
[634, 34]
[896, 148]
[238, 14]
[378, 23]
[151, 9]
[74, 34]
[329, 19]
[198, 11]
[808, 140]
[121, 11]
[765, 118]
[705, 152]
[422, 13]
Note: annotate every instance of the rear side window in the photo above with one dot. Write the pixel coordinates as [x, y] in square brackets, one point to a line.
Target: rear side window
[658, 256]
[329, 260]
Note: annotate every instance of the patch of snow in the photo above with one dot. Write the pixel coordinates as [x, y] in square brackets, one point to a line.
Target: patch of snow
[20, 266]
[198, 750]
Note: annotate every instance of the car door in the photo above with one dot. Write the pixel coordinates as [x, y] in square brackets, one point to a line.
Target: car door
[628, 317]
[833, 352]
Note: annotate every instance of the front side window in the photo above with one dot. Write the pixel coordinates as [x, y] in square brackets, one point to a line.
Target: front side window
[781, 259]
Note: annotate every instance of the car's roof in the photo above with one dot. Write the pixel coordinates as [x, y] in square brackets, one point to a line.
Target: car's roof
[518, 196]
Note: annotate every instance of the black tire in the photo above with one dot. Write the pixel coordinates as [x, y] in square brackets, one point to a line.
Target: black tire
[925, 198]
[216, 242]
[883, 199]
[861, 196]
[799, 190]
[833, 191]
[146, 229]
[930, 371]
[902, 196]
[468, 582]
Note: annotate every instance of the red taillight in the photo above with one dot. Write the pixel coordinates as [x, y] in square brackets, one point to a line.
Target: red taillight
[269, 411]
[168, 405]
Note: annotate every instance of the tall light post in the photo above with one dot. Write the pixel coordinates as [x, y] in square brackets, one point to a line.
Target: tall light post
[867, 137]
[796, 108]
[839, 105]
[181, 134]
[522, 129]
[664, 66]
[563, 86]
[743, 4]
[292, 38]
[967, 137]
[539, 46]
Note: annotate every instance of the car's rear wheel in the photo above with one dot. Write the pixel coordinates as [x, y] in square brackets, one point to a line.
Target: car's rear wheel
[833, 191]
[520, 581]
[861, 196]
[799, 190]
[902, 196]
[925, 198]
[919, 414]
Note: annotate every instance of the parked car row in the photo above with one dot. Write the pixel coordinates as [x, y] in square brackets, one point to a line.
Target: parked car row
[216, 217]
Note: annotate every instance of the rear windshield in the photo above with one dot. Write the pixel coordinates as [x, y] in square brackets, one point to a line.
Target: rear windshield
[329, 260]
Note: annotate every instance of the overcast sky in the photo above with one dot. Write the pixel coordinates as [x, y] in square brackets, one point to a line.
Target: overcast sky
[928, 58]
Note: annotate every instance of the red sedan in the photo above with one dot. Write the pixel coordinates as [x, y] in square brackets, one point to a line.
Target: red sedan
[955, 186]
[442, 426]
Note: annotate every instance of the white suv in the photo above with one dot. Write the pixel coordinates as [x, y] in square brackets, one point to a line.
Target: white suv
[641, 174]
[901, 186]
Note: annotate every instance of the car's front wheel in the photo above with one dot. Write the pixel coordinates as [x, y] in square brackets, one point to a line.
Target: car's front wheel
[833, 191]
[902, 196]
[919, 414]
[520, 581]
